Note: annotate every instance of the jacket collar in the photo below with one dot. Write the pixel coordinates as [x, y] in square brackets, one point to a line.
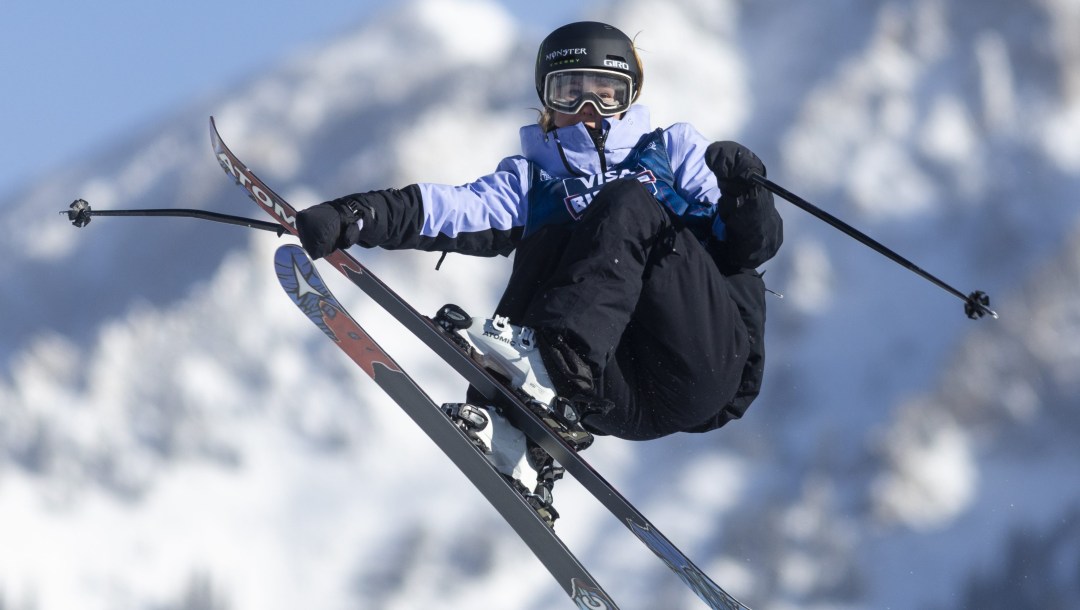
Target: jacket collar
[577, 145]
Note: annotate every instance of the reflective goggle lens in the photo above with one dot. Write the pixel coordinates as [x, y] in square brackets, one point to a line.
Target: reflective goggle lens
[568, 91]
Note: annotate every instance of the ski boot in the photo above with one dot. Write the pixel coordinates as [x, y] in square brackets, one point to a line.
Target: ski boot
[511, 353]
[526, 465]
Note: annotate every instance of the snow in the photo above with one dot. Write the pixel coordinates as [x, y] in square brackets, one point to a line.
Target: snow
[811, 286]
[932, 476]
[1063, 149]
[456, 24]
[173, 433]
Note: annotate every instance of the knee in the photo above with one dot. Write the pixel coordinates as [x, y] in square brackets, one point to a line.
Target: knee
[627, 196]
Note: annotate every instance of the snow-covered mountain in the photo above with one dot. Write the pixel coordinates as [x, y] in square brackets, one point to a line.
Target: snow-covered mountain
[173, 434]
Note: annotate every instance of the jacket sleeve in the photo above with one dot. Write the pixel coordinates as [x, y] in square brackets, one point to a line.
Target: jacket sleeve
[482, 218]
[747, 231]
[694, 180]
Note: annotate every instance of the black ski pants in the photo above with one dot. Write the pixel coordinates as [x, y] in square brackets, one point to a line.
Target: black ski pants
[643, 303]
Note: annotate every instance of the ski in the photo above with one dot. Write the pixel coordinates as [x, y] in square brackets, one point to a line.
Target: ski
[488, 385]
[309, 292]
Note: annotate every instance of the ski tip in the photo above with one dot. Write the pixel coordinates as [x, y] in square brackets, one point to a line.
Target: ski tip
[292, 250]
[290, 255]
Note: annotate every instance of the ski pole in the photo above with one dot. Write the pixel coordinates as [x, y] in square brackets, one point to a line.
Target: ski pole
[79, 213]
[976, 304]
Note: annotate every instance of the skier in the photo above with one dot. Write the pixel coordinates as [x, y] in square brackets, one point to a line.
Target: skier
[634, 308]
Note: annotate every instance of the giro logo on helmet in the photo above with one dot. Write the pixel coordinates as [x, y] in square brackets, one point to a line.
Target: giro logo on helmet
[614, 63]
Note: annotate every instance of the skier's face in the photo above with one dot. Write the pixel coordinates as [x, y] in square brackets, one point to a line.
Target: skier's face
[587, 115]
[586, 96]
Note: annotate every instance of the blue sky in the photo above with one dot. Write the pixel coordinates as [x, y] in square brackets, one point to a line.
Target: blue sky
[78, 75]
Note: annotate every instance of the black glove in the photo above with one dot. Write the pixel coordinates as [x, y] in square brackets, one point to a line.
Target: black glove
[752, 230]
[332, 225]
[733, 165]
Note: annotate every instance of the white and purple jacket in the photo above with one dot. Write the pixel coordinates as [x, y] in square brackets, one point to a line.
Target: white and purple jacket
[490, 215]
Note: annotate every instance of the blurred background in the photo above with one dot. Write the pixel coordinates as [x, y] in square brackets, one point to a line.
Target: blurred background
[174, 435]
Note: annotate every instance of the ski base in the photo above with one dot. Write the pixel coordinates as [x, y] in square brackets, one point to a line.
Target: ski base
[302, 282]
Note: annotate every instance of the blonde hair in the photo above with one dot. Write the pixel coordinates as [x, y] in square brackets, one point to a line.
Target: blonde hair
[546, 120]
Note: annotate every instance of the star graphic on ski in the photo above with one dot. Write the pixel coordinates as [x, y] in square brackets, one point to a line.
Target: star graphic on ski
[302, 285]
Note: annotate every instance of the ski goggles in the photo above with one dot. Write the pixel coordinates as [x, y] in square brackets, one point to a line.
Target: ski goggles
[568, 91]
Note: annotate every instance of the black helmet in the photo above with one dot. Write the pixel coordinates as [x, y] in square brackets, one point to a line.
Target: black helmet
[591, 50]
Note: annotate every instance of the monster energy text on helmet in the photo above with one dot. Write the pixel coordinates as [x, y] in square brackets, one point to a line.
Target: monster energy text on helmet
[588, 63]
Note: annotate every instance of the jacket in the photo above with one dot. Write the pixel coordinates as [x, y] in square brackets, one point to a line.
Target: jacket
[488, 216]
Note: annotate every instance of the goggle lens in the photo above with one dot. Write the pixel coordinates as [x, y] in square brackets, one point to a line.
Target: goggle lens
[568, 91]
